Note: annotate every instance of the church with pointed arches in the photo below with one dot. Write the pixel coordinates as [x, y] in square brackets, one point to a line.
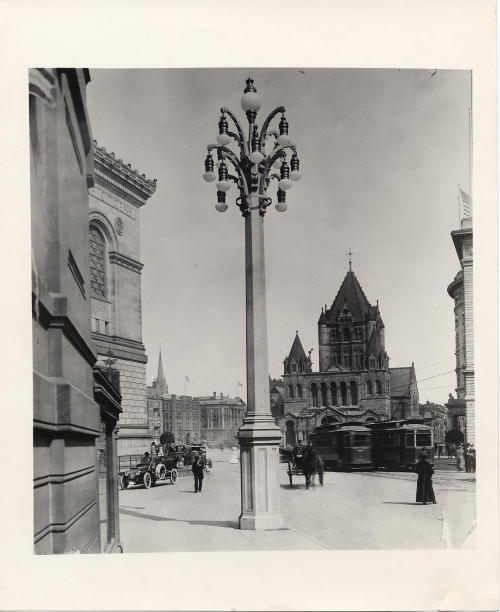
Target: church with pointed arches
[354, 380]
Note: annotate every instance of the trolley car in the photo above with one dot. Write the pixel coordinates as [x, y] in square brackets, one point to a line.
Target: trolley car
[344, 446]
[398, 444]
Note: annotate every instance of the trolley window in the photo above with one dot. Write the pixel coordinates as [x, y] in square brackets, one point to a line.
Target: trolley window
[424, 438]
[389, 438]
[361, 440]
[410, 438]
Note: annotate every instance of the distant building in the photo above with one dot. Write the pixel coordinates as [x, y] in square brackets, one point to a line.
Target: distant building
[404, 392]
[155, 393]
[461, 410]
[277, 394]
[354, 380]
[436, 416]
[221, 417]
[181, 415]
[115, 201]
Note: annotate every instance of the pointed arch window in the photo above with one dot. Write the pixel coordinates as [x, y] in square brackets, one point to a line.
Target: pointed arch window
[299, 391]
[291, 393]
[97, 262]
[378, 387]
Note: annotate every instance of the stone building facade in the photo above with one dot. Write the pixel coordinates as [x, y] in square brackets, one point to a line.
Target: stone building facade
[115, 202]
[462, 408]
[221, 417]
[76, 401]
[354, 379]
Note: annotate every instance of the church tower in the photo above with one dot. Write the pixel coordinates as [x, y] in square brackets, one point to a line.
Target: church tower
[353, 377]
[351, 332]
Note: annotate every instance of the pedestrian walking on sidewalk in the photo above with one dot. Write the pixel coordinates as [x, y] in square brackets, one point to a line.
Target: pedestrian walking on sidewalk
[197, 469]
[425, 491]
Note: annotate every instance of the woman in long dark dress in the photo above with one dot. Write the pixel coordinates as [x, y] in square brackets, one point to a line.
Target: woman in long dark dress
[425, 491]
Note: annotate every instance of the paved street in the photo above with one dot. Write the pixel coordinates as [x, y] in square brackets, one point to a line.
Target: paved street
[373, 510]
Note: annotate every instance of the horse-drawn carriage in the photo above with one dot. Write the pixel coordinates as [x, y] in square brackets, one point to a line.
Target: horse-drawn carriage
[304, 462]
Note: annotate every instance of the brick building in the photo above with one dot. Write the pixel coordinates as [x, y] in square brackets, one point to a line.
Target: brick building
[115, 202]
[461, 409]
[181, 415]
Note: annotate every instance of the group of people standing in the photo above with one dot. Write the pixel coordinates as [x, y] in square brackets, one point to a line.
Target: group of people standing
[466, 458]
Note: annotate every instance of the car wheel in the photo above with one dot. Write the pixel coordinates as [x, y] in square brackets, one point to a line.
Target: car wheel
[161, 471]
[123, 482]
[173, 476]
[146, 480]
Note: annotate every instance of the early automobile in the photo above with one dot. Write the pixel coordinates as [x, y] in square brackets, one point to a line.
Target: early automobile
[142, 473]
[148, 472]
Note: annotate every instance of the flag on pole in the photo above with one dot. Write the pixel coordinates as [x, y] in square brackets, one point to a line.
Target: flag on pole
[465, 197]
[239, 384]
[187, 379]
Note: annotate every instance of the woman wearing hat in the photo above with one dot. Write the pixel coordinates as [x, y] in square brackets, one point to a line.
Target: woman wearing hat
[425, 491]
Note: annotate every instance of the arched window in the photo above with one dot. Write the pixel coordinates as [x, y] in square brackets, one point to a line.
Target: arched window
[294, 368]
[346, 334]
[378, 387]
[333, 391]
[354, 393]
[343, 393]
[373, 363]
[291, 394]
[97, 263]
[324, 394]
[299, 391]
[369, 387]
[314, 395]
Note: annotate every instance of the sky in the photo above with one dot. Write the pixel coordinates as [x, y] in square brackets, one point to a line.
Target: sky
[383, 153]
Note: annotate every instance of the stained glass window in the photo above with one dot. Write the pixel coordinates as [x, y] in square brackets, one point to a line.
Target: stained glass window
[97, 263]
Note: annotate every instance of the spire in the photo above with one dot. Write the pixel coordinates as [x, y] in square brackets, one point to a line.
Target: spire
[350, 296]
[161, 383]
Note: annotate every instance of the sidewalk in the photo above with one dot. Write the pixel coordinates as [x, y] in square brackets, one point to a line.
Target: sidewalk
[172, 518]
[366, 510]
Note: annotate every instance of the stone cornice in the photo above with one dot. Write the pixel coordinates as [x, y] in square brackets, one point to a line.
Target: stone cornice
[125, 262]
[112, 168]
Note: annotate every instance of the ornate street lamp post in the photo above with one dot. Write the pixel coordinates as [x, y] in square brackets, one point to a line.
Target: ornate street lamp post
[256, 156]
